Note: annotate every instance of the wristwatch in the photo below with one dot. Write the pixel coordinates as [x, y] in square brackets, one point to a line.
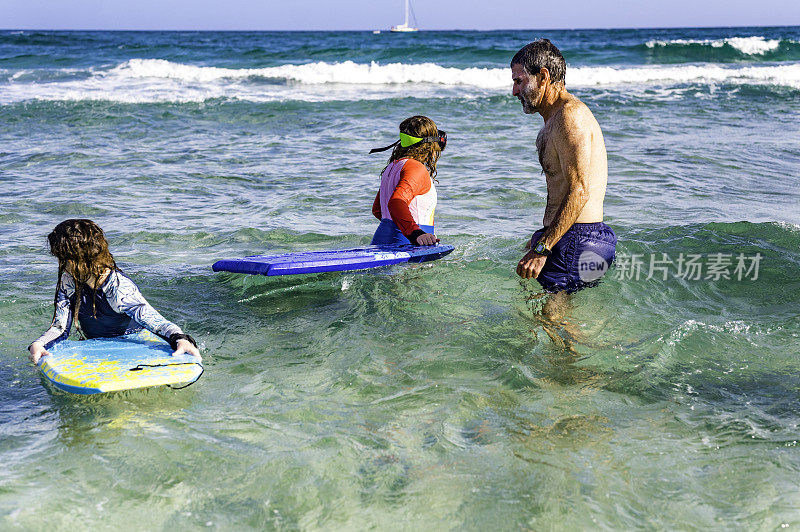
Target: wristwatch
[541, 249]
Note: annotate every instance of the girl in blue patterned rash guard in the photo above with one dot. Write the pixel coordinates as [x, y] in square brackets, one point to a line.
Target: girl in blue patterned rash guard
[91, 287]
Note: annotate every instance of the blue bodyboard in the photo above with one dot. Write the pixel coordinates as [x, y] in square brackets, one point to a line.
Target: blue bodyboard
[102, 365]
[332, 261]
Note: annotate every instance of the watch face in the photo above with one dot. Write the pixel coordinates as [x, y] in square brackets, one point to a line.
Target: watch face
[540, 249]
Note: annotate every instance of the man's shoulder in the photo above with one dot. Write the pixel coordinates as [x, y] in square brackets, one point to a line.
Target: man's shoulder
[574, 122]
[575, 113]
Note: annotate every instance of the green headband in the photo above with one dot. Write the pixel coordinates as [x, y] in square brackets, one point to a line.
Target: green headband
[408, 140]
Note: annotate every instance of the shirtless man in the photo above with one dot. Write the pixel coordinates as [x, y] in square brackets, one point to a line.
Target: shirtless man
[574, 248]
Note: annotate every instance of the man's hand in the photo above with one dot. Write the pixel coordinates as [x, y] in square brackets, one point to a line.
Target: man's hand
[37, 351]
[531, 265]
[185, 346]
[427, 239]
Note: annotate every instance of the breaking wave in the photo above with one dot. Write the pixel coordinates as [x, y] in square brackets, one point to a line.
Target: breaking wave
[158, 80]
[746, 45]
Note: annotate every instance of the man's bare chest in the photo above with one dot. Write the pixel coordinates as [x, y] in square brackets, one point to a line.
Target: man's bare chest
[548, 156]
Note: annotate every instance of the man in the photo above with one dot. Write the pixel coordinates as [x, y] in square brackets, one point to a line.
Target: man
[574, 248]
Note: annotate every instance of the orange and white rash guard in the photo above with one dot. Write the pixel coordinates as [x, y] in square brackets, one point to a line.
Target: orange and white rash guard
[407, 196]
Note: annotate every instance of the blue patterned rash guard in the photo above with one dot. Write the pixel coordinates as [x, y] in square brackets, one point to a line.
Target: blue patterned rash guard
[117, 307]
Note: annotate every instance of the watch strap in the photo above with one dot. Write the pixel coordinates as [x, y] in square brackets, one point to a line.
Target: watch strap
[541, 249]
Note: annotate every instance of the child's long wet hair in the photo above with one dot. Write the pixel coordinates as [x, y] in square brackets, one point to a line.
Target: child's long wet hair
[81, 248]
[425, 152]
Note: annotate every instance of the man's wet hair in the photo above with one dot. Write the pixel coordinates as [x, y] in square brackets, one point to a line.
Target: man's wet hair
[542, 54]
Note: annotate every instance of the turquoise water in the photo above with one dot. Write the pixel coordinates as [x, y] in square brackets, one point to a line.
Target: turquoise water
[425, 397]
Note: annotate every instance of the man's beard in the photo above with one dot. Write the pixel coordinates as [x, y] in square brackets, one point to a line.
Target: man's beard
[527, 97]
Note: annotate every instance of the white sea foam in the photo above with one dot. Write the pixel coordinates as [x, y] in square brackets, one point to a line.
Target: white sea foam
[157, 80]
[786, 75]
[747, 45]
[317, 73]
[788, 226]
[428, 73]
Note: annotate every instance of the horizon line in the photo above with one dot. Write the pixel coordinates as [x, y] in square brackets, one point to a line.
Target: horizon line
[420, 30]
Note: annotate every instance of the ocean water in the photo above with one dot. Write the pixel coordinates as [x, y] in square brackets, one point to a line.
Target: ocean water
[434, 397]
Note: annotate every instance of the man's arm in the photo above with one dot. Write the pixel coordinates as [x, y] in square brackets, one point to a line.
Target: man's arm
[572, 139]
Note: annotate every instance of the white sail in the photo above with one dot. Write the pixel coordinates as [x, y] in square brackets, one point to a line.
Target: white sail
[404, 27]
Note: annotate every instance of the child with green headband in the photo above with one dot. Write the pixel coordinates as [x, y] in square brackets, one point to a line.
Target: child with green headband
[406, 201]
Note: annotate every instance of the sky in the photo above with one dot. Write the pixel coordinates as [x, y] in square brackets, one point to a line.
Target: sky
[381, 14]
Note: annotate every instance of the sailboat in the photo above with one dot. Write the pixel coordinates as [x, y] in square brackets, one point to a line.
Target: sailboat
[404, 27]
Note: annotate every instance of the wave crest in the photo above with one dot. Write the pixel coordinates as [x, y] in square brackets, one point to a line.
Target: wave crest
[346, 72]
[746, 45]
[351, 73]
[158, 80]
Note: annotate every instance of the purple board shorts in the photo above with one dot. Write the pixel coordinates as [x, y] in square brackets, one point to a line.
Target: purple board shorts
[582, 256]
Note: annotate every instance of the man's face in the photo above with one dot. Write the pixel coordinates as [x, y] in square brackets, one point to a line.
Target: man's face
[525, 88]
